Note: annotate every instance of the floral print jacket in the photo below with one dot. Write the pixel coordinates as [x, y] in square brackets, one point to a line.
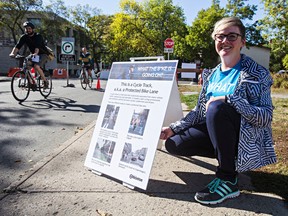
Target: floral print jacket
[251, 99]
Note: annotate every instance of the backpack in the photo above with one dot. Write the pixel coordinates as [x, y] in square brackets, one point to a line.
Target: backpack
[50, 53]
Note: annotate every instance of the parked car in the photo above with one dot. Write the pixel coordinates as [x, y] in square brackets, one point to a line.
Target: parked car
[282, 72]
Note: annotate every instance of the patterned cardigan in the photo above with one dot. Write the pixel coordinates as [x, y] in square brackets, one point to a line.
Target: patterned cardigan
[251, 99]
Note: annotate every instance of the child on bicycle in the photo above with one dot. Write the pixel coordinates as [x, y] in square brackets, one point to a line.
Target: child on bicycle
[86, 59]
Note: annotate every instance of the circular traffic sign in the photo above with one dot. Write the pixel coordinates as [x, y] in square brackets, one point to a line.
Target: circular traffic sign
[169, 43]
[68, 48]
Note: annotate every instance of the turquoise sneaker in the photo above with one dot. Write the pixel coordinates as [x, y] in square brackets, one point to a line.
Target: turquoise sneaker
[217, 191]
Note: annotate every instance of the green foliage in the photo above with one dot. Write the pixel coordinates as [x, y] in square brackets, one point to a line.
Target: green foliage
[285, 62]
[253, 35]
[80, 16]
[239, 9]
[245, 12]
[53, 26]
[199, 37]
[99, 31]
[12, 13]
[141, 28]
[275, 29]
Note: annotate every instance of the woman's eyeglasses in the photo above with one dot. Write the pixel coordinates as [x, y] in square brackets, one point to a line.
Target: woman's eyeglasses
[230, 37]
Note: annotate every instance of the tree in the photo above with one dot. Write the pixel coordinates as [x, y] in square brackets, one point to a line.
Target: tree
[239, 9]
[99, 35]
[80, 16]
[285, 62]
[245, 12]
[53, 24]
[199, 38]
[275, 27]
[141, 28]
[12, 13]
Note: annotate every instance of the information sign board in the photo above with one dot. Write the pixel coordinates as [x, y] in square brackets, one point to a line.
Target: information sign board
[130, 119]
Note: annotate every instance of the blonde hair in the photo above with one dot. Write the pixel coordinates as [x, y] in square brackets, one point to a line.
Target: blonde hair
[227, 22]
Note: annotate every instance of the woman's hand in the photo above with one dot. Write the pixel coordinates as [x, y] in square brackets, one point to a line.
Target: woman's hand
[222, 98]
[166, 132]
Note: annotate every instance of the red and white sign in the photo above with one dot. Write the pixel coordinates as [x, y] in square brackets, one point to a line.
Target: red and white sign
[169, 43]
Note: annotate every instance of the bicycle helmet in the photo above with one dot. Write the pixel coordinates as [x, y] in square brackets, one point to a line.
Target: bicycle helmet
[28, 24]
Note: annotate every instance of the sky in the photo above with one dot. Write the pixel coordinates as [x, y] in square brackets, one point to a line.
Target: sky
[190, 7]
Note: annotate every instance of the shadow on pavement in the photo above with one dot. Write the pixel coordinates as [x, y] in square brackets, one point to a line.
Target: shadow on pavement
[61, 103]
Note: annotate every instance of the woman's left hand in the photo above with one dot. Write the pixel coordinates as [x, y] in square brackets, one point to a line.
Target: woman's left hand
[222, 98]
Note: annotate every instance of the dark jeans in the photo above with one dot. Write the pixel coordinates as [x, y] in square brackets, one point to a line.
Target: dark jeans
[215, 137]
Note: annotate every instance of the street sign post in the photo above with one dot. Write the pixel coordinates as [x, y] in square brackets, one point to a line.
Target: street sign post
[67, 54]
[169, 44]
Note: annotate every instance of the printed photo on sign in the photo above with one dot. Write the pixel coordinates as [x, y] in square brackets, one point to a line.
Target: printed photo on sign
[104, 150]
[125, 72]
[136, 157]
[130, 73]
[110, 116]
[138, 121]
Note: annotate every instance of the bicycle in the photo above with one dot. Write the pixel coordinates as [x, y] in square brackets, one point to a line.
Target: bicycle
[85, 78]
[22, 81]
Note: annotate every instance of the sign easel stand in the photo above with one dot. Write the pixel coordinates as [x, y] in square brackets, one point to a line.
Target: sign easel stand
[96, 172]
[158, 58]
[174, 110]
[128, 185]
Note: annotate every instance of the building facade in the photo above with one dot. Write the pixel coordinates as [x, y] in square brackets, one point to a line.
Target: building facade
[259, 54]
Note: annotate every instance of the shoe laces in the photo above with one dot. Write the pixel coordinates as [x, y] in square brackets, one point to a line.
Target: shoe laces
[214, 185]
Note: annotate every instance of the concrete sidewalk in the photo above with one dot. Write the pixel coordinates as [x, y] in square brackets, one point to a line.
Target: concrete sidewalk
[61, 185]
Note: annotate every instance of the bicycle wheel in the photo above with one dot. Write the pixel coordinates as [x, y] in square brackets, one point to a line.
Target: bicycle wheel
[45, 90]
[20, 87]
[82, 80]
[90, 80]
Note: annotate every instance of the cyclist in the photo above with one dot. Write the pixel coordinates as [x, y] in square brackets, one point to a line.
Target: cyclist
[36, 45]
[86, 59]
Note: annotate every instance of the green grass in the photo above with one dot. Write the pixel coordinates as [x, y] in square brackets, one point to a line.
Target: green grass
[189, 100]
[272, 178]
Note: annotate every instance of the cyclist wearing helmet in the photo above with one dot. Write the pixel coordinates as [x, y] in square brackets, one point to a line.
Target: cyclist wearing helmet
[86, 59]
[36, 45]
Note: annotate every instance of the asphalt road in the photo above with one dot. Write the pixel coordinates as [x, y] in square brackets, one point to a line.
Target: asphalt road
[31, 130]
